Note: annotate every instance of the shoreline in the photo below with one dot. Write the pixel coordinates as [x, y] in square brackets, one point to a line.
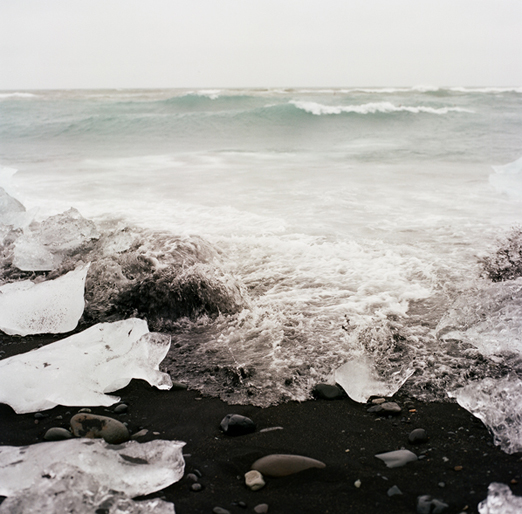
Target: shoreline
[456, 464]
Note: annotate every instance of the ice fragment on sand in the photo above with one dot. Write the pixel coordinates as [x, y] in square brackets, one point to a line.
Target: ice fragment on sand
[69, 489]
[131, 468]
[50, 307]
[79, 369]
[500, 500]
[43, 246]
[498, 404]
[361, 382]
[397, 458]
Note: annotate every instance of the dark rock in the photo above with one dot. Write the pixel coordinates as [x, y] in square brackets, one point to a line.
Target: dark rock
[385, 409]
[93, 426]
[235, 424]
[179, 386]
[417, 436]
[122, 408]
[40, 415]
[394, 491]
[262, 508]
[243, 505]
[57, 434]
[193, 477]
[196, 487]
[327, 392]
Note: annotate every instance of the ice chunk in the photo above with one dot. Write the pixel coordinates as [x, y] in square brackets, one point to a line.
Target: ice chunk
[51, 307]
[498, 403]
[44, 245]
[64, 488]
[12, 212]
[360, 381]
[500, 500]
[397, 458]
[79, 369]
[131, 468]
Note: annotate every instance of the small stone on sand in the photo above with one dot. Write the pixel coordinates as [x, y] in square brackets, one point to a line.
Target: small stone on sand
[280, 465]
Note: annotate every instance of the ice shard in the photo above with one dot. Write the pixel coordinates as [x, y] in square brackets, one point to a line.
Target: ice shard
[131, 468]
[500, 500]
[361, 381]
[44, 245]
[80, 369]
[498, 404]
[12, 212]
[51, 307]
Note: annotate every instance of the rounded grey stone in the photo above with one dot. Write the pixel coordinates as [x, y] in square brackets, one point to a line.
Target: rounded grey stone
[57, 434]
[419, 435]
[121, 408]
[262, 508]
[235, 424]
[93, 426]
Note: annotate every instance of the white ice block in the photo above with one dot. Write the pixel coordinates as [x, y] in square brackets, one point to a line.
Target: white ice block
[500, 500]
[79, 369]
[498, 404]
[360, 380]
[131, 468]
[51, 307]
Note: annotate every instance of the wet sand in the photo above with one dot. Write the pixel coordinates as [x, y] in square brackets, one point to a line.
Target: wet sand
[457, 463]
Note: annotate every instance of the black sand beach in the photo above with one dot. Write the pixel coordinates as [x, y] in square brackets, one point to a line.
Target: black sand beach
[456, 465]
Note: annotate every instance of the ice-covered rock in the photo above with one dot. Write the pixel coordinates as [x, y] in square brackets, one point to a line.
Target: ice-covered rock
[51, 307]
[43, 245]
[500, 500]
[360, 381]
[131, 468]
[498, 404]
[80, 369]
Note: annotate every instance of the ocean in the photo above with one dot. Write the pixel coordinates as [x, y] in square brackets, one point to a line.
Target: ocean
[278, 234]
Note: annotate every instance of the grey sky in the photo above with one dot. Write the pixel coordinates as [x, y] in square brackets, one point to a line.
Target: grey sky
[259, 43]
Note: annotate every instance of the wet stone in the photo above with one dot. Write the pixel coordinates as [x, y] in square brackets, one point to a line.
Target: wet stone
[57, 434]
[280, 465]
[122, 408]
[179, 386]
[220, 510]
[386, 408]
[417, 436]
[262, 508]
[254, 480]
[394, 491]
[196, 487]
[143, 432]
[327, 392]
[235, 424]
[93, 426]
[193, 477]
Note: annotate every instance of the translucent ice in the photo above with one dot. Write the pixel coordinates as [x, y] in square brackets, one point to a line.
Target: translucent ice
[12, 212]
[51, 307]
[500, 500]
[78, 370]
[131, 468]
[43, 245]
[360, 381]
[498, 403]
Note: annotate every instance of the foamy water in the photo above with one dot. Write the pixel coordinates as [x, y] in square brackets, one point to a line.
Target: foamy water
[323, 225]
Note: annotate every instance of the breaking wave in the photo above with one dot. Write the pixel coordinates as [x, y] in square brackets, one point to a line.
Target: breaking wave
[373, 108]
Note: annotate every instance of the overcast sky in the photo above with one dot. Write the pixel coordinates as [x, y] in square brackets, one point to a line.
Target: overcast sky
[259, 43]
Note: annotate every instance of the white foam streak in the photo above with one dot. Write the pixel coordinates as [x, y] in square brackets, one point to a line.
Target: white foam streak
[17, 95]
[371, 108]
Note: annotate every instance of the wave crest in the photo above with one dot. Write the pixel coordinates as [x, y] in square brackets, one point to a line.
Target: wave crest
[372, 108]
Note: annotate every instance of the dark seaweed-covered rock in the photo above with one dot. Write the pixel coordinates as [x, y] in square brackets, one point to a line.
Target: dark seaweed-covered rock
[506, 262]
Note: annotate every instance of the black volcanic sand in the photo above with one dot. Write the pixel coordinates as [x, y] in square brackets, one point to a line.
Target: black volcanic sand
[341, 433]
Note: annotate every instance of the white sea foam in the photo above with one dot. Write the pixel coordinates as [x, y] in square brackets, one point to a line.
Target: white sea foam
[17, 95]
[372, 108]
